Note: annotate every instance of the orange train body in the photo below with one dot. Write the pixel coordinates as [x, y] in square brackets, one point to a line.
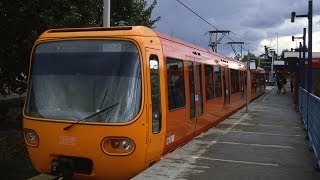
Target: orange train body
[208, 88]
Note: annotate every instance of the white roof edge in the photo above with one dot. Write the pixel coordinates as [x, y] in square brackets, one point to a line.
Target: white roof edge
[278, 63]
[296, 54]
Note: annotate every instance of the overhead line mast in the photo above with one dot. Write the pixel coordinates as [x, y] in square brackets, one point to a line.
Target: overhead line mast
[213, 43]
[234, 49]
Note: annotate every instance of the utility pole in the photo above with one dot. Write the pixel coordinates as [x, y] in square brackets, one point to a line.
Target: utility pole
[214, 43]
[300, 63]
[309, 16]
[302, 49]
[304, 56]
[272, 62]
[310, 48]
[247, 88]
[106, 13]
[277, 47]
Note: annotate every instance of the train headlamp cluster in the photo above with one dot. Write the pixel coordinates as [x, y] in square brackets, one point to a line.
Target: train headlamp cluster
[117, 146]
[31, 137]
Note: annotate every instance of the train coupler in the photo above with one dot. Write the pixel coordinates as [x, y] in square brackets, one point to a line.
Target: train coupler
[62, 168]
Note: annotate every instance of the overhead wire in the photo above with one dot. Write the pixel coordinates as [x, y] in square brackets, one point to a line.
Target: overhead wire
[207, 22]
[197, 14]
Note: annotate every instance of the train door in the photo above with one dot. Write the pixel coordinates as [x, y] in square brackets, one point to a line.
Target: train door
[195, 92]
[226, 85]
[155, 106]
[192, 95]
[198, 90]
[242, 83]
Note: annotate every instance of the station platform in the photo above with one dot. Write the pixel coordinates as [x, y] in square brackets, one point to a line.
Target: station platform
[267, 143]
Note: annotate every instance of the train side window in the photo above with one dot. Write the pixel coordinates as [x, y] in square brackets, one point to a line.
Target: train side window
[237, 78]
[175, 81]
[155, 93]
[217, 82]
[253, 83]
[209, 82]
[235, 84]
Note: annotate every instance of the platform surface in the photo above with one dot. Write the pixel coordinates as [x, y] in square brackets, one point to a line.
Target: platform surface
[267, 143]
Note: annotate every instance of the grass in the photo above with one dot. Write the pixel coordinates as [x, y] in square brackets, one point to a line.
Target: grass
[14, 160]
[15, 121]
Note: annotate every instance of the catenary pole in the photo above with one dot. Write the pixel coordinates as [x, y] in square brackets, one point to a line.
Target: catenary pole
[106, 13]
[247, 88]
[309, 59]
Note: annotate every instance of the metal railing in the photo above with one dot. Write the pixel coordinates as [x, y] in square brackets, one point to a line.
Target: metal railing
[309, 108]
[303, 95]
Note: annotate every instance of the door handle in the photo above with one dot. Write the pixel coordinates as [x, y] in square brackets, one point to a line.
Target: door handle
[196, 97]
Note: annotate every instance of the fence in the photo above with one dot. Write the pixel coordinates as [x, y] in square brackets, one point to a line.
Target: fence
[303, 106]
[310, 113]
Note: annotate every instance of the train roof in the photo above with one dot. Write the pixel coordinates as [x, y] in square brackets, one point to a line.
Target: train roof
[98, 32]
[168, 43]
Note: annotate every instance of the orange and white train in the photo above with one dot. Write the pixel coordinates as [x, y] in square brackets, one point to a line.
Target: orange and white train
[107, 103]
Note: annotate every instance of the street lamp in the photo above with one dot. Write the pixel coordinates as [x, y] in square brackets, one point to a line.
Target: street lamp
[277, 46]
[309, 16]
[301, 64]
[272, 63]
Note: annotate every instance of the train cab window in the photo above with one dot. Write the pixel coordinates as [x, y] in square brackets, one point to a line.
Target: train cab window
[209, 82]
[217, 82]
[91, 80]
[175, 81]
[155, 93]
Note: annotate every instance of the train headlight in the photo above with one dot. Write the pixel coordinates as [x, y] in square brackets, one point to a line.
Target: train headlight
[126, 145]
[117, 146]
[31, 137]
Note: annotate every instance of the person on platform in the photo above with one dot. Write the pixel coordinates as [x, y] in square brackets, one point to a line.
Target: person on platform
[291, 83]
[284, 82]
[279, 84]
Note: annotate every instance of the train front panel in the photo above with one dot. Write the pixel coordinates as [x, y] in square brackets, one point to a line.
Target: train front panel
[85, 113]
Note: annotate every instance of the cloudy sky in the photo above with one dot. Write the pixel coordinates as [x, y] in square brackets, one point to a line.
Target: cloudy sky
[252, 21]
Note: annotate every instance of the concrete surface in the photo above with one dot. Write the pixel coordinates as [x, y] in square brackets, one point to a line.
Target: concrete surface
[267, 143]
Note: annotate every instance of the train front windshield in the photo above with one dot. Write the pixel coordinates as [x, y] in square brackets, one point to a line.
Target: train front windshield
[92, 80]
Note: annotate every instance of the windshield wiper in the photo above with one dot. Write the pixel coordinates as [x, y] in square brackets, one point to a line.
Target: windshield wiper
[94, 114]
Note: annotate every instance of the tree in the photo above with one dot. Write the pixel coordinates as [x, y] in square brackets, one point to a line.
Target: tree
[251, 57]
[135, 12]
[282, 53]
[22, 21]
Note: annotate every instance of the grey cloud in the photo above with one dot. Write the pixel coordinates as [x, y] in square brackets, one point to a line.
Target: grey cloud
[253, 35]
[250, 20]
